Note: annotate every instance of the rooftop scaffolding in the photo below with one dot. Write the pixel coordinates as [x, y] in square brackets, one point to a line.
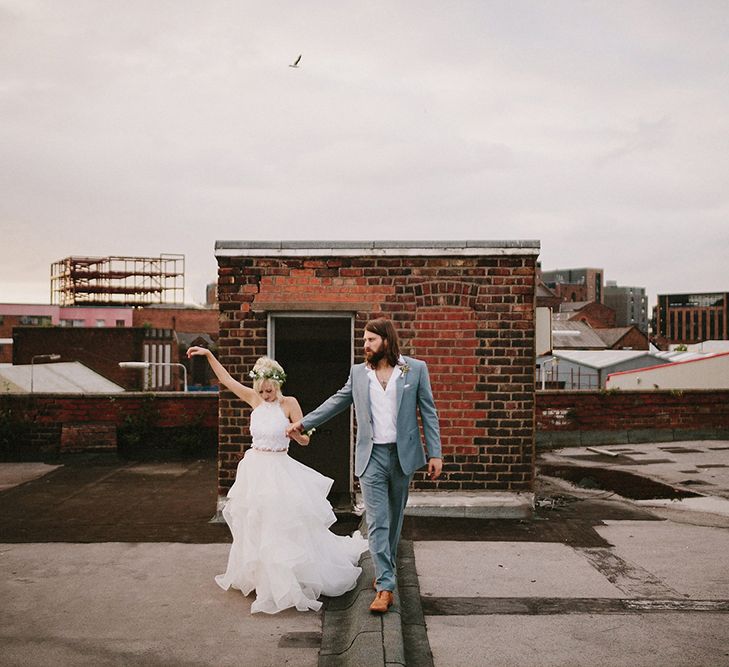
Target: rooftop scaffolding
[117, 280]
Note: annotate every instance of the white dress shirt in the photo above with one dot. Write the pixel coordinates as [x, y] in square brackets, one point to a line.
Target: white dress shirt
[383, 406]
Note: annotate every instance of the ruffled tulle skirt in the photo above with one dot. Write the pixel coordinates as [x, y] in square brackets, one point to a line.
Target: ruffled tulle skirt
[282, 548]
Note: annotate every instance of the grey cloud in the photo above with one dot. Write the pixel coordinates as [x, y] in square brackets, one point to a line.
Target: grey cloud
[141, 128]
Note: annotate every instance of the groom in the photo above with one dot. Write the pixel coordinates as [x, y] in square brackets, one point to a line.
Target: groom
[387, 391]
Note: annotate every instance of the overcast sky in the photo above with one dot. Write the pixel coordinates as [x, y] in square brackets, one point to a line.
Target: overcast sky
[141, 127]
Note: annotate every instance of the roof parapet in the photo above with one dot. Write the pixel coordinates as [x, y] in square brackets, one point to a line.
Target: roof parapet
[374, 248]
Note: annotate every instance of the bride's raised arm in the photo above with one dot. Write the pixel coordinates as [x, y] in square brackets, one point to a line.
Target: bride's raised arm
[240, 390]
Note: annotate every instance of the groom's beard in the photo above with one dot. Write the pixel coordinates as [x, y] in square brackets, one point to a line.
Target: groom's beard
[374, 358]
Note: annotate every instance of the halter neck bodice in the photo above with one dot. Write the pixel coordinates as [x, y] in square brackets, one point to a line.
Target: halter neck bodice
[268, 427]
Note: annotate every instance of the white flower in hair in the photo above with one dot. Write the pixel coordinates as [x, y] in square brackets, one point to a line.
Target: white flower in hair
[268, 374]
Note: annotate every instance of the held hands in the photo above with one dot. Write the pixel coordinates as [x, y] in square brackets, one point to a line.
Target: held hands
[295, 427]
[294, 432]
[435, 466]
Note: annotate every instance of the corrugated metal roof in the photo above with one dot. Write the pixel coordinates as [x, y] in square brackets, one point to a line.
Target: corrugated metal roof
[543, 290]
[676, 362]
[573, 335]
[600, 358]
[612, 335]
[68, 377]
[572, 306]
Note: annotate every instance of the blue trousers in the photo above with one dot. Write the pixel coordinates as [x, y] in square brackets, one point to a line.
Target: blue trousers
[385, 493]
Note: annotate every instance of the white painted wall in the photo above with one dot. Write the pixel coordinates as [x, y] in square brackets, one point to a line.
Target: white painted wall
[711, 372]
[544, 330]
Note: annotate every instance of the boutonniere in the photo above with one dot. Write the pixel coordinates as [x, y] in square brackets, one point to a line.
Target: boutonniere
[404, 369]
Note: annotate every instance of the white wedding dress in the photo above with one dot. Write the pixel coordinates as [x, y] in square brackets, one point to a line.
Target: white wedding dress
[279, 517]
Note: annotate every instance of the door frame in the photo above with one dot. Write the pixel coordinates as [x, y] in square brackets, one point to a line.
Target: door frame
[317, 314]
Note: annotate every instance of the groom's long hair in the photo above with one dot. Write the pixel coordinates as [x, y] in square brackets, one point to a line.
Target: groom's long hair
[385, 328]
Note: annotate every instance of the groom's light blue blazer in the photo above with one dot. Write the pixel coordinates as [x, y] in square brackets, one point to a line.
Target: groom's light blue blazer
[413, 394]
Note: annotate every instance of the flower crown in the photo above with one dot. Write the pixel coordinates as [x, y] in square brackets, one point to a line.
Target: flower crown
[268, 374]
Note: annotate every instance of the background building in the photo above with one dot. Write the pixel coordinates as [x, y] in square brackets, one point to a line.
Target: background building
[137, 281]
[102, 349]
[706, 371]
[629, 303]
[692, 318]
[596, 314]
[588, 369]
[211, 295]
[624, 338]
[45, 315]
[576, 284]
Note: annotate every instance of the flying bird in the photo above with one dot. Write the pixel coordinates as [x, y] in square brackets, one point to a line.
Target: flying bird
[296, 62]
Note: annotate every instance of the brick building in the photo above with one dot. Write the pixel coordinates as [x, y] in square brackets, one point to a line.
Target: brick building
[576, 284]
[48, 315]
[692, 318]
[102, 349]
[571, 292]
[624, 338]
[187, 319]
[597, 315]
[465, 308]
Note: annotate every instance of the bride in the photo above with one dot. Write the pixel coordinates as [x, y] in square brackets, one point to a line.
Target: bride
[277, 509]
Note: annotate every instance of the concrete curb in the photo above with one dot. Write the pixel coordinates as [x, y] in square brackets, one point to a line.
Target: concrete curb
[352, 636]
[415, 635]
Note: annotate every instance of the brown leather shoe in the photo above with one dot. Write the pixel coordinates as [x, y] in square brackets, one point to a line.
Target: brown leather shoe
[382, 602]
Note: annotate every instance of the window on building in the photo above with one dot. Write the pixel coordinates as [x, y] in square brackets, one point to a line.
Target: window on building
[72, 323]
[120, 323]
[100, 323]
[35, 320]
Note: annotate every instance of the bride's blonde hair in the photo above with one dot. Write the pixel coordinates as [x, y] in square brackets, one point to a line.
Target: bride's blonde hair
[267, 370]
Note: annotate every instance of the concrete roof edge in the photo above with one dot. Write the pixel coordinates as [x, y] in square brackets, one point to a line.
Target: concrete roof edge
[229, 248]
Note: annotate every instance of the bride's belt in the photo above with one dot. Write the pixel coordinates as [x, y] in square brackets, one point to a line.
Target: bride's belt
[270, 451]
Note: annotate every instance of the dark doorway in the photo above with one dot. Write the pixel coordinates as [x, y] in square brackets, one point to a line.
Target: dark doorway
[316, 353]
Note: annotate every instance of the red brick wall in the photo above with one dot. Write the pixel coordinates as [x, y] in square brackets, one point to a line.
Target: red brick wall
[470, 318]
[568, 292]
[596, 315]
[38, 426]
[590, 417]
[635, 339]
[184, 320]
